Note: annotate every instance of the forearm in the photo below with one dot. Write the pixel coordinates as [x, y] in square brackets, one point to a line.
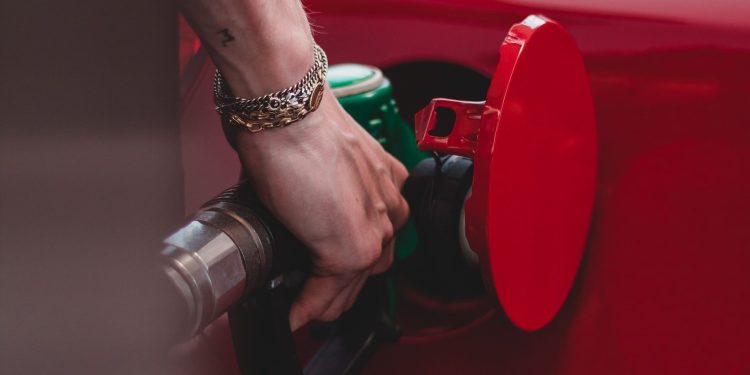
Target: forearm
[324, 177]
[260, 46]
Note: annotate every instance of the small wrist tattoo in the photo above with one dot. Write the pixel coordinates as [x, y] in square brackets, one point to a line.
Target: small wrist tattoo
[227, 37]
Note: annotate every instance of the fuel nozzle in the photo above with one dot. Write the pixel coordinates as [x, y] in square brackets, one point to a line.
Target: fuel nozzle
[230, 249]
[235, 257]
[443, 262]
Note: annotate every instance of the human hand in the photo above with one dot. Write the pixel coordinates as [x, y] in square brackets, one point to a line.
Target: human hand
[324, 177]
[338, 191]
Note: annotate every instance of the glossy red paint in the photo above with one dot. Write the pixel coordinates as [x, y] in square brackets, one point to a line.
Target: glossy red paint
[534, 148]
[463, 137]
[663, 285]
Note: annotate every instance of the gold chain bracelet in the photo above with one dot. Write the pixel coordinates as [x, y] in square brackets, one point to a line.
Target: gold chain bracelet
[277, 109]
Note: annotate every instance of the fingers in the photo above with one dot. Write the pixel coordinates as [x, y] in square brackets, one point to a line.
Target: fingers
[398, 172]
[345, 299]
[386, 258]
[398, 212]
[325, 299]
[316, 297]
[398, 208]
[345, 266]
[392, 176]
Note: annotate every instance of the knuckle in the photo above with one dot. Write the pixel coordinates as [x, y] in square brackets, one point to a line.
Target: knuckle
[388, 232]
[400, 212]
[367, 253]
[403, 208]
[381, 208]
[401, 172]
[381, 169]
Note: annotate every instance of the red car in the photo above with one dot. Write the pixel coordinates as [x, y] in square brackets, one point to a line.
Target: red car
[663, 285]
[659, 283]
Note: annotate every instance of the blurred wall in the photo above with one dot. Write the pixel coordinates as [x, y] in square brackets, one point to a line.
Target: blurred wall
[90, 182]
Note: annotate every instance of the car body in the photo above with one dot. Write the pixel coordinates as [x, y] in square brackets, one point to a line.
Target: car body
[663, 285]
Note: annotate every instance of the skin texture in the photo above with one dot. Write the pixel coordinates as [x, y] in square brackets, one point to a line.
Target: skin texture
[324, 177]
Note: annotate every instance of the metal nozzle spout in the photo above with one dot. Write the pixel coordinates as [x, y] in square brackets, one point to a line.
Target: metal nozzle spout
[223, 254]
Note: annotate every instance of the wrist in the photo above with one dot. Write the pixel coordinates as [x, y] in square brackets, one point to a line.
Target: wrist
[260, 46]
[271, 68]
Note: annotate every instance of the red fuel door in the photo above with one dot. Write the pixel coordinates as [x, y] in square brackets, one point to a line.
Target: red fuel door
[533, 143]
